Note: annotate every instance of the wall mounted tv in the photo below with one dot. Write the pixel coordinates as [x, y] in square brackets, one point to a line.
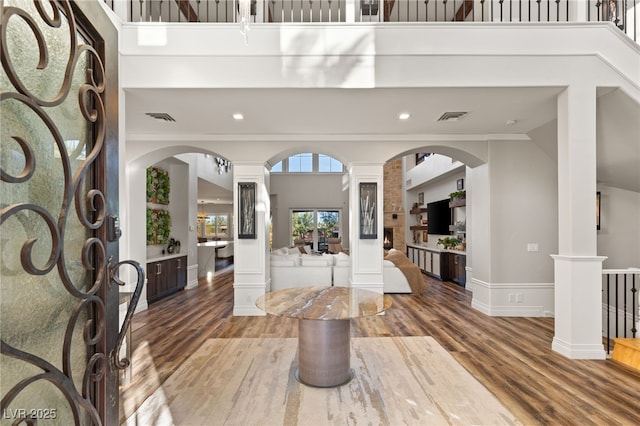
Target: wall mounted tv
[439, 217]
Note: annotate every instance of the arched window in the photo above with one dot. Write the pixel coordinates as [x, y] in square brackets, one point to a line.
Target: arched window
[308, 162]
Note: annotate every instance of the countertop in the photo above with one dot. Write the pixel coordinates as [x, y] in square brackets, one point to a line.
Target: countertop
[165, 257]
[220, 243]
[436, 249]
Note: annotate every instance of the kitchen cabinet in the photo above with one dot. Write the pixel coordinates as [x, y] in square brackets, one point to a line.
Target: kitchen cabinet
[165, 277]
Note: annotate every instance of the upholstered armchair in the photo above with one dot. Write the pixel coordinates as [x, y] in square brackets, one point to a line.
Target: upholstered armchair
[335, 246]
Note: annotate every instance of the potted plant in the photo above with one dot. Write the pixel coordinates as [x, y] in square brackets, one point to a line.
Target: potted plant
[458, 195]
[449, 242]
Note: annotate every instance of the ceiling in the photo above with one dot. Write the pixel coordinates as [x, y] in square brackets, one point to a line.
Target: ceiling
[337, 113]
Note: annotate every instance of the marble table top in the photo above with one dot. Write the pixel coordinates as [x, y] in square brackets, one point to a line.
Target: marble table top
[323, 303]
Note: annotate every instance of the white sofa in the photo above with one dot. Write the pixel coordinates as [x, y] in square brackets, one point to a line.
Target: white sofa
[393, 279]
[296, 270]
[341, 270]
[290, 268]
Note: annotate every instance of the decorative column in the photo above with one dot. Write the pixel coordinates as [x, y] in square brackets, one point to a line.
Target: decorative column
[578, 269]
[366, 242]
[251, 239]
[350, 10]
[578, 11]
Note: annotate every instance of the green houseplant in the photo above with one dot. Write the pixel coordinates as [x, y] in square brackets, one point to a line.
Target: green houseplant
[458, 195]
[158, 226]
[158, 186]
[449, 242]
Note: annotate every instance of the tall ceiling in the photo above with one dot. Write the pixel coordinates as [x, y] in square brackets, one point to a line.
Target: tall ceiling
[334, 114]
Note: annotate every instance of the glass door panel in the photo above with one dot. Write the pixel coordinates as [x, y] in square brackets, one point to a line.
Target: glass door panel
[53, 363]
[315, 227]
[328, 227]
[302, 226]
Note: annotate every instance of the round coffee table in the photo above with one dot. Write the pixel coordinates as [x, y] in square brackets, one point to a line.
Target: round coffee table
[324, 349]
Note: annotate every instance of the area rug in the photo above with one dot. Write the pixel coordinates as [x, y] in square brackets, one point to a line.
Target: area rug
[398, 381]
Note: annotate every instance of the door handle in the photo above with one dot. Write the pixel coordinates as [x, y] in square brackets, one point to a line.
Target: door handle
[135, 298]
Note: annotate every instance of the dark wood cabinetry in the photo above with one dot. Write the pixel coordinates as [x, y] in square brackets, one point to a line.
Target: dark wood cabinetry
[166, 277]
[453, 268]
[444, 265]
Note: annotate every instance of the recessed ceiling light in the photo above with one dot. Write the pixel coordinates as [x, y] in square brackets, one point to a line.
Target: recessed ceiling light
[238, 116]
[404, 116]
[510, 122]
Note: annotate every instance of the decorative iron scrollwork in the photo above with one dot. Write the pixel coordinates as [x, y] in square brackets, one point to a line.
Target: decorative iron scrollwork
[135, 298]
[79, 193]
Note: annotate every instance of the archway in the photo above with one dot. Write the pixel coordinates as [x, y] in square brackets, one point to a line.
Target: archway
[181, 164]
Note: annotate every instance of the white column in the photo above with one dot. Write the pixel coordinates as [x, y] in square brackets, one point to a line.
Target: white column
[578, 11]
[578, 269]
[479, 207]
[367, 255]
[251, 255]
[350, 10]
[260, 9]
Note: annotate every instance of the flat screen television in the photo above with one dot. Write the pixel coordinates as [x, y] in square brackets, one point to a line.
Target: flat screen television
[438, 217]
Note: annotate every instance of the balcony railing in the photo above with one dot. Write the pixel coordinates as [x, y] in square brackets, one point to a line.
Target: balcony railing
[623, 13]
[620, 303]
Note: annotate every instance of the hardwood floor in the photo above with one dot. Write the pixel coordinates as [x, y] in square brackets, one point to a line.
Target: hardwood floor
[511, 357]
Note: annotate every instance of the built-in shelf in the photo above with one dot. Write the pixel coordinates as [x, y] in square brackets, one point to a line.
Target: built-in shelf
[418, 227]
[458, 203]
[418, 210]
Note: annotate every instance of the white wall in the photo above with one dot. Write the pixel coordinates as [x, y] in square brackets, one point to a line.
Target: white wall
[619, 235]
[306, 190]
[523, 211]
[208, 170]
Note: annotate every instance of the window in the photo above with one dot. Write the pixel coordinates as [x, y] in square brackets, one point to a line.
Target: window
[328, 164]
[301, 163]
[315, 227]
[308, 163]
[217, 225]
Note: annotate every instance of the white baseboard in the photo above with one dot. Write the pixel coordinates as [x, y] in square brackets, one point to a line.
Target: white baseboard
[578, 351]
[192, 276]
[245, 295]
[248, 311]
[512, 299]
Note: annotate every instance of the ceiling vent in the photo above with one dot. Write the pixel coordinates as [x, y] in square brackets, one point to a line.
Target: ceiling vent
[453, 115]
[160, 116]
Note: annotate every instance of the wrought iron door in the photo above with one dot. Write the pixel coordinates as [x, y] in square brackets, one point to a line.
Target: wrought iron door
[58, 224]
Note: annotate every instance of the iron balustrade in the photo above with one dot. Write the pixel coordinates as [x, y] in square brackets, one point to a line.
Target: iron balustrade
[620, 303]
[622, 13]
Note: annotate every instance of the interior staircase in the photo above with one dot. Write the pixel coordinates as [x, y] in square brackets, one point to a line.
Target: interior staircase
[627, 351]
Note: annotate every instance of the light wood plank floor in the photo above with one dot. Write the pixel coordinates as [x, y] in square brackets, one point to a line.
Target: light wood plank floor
[511, 357]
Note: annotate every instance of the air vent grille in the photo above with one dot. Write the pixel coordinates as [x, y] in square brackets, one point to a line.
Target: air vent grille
[160, 116]
[453, 115]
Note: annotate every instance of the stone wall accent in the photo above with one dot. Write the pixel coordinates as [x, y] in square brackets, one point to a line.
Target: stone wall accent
[393, 197]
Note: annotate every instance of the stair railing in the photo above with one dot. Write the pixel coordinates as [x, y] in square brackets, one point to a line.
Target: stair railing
[624, 14]
[620, 303]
